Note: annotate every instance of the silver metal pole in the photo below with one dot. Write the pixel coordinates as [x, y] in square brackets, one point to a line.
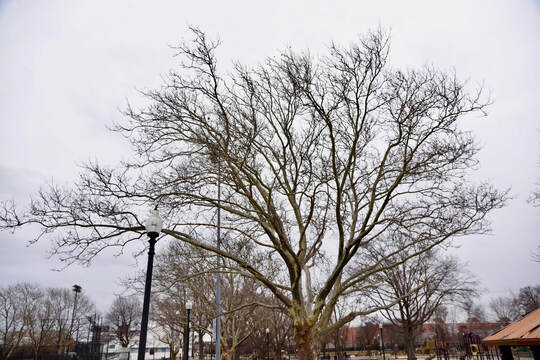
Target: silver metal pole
[217, 330]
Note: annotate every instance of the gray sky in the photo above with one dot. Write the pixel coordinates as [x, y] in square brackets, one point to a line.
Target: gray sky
[67, 67]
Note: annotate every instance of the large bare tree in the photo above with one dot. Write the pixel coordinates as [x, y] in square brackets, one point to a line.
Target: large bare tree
[317, 158]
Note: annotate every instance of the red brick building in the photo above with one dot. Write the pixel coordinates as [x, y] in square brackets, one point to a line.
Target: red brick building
[358, 337]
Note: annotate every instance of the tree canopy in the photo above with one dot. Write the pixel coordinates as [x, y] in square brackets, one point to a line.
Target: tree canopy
[321, 161]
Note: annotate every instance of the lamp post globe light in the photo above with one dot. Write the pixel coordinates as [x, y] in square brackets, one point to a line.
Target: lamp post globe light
[153, 226]
[189, 306]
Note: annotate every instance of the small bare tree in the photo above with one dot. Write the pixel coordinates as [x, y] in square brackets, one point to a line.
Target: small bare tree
[40, 323]
[280, 329]
[474, 311]
[184, 269]
[62, 306]
[439, 319]
[367, 332]
[419, 287]
[528, 299]
[512, 307]
[124, 317]
[506, 309]
[168, 314]
[17, 303]
[318, 160]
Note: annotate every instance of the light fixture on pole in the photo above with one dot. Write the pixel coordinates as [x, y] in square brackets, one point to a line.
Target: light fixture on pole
[382, 341]
[153, 226]
[267, 344]
[189, 306]
[76, 289]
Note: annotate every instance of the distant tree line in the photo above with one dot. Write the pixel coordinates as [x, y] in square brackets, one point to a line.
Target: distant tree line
[41, 321]
[38, 321]
[514, 306]
[423, 290]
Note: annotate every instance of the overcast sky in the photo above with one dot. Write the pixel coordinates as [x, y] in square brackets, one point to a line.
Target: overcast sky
[67, 67]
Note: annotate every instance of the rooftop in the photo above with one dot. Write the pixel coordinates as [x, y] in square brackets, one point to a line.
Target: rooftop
[522, 332]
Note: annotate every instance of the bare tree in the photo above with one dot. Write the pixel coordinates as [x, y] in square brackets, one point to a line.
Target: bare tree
[474, 311]
[528, 299]
[339, 337]
[40, 317]
[40, 323]
[17, 303]
[168, 313]
[419, 287]
[311, 154]
[280, 329]
[506, 309]
[62, 312]
[367, 332]
[190, 271]
[512, 307]
[439, 318]
[124, 317]
[61, 316]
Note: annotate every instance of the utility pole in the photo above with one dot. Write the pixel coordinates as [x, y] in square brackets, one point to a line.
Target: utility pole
[217, 330]
[76, 290]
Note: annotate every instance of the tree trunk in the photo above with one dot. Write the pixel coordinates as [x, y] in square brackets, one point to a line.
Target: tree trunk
[228, 354]
[35, 351]
[303, 339]
[408, 337]
[201, 345]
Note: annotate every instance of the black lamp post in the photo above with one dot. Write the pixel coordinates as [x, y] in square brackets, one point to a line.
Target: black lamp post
[153, 226]
[382, 341]
[185, 354]
[267, 344]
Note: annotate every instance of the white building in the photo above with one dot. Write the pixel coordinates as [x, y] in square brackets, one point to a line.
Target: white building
[155, 349]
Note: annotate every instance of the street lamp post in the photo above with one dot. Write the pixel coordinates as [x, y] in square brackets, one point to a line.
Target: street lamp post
[153, 226]
[382, 341]
[267, 344]
[185, 354]
[76, 289]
